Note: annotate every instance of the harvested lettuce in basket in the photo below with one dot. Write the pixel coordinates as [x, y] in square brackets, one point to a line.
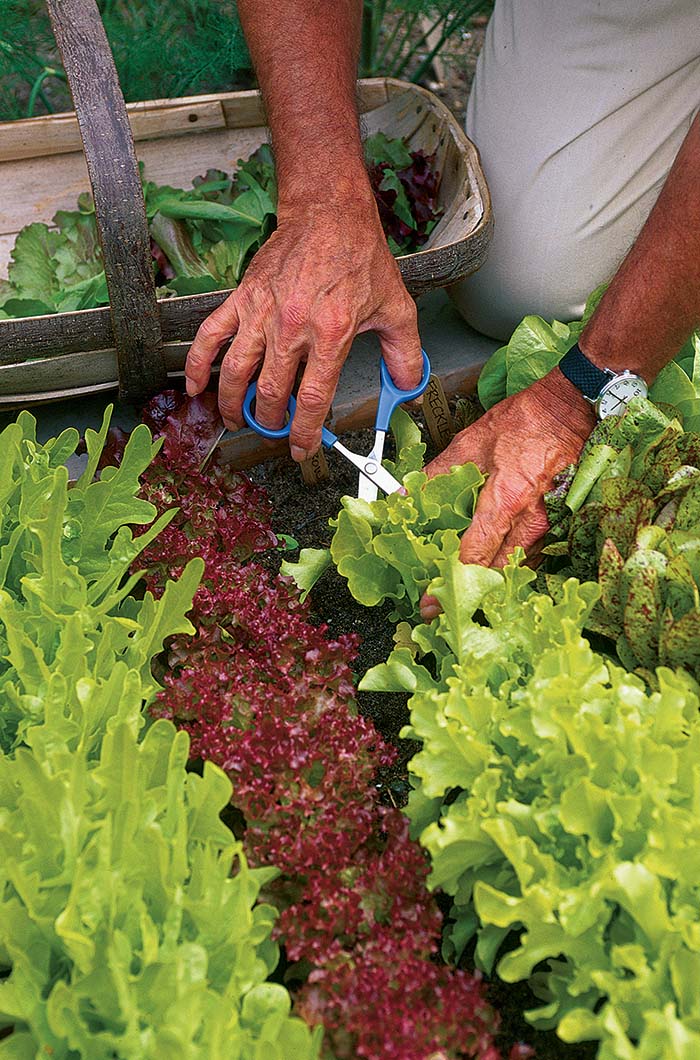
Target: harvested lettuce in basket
[203, 238]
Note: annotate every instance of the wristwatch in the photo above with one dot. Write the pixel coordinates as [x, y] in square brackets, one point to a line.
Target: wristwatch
[609, 392]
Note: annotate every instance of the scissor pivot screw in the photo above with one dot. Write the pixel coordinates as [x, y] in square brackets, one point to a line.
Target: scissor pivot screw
[371, 467]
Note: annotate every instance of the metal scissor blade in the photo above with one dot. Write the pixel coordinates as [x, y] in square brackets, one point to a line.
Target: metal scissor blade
[367, 488]
[370, 468]
[216, 441]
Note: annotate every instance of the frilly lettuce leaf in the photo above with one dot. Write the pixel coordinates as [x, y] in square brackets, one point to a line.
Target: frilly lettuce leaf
[308, 569]
[389, 548]
[556, 792]
[129, 918]
[544, 793]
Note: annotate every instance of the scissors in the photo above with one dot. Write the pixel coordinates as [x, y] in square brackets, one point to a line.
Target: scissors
[373, 477]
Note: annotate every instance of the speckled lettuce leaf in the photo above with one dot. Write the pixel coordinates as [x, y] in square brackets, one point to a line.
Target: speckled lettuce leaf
[642, 579]
[593, 466]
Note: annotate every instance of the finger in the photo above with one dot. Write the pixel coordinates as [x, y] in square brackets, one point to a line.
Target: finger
[401, 347]
[275, 384]
[211, 335]
[466, 446]
[489, 528]
[527, 532]
[318, 385]
[237, 369]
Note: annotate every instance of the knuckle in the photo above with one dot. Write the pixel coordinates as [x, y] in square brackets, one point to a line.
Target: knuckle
[409, 312]
[196, 363]
[213, 330]
[269, 390]
[250, 301]
[294, 315]
[304, 437]
[314, 401]
[334, 330]
[230, 372]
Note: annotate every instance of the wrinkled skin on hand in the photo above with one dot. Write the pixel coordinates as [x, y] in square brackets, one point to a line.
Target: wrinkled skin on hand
[324, 275]
[520, 444]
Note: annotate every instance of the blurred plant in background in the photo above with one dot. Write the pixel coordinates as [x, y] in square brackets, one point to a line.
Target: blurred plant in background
[182, 47]
[185, 47]
[402, 38]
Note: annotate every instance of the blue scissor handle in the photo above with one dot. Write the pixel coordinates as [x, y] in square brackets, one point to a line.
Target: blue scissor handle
[390, 396]
[327, 437]
[266, 432]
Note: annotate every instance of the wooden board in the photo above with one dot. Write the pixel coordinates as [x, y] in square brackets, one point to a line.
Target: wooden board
[55, 134]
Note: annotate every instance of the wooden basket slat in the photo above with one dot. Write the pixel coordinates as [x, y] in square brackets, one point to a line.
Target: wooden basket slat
[403, 114]
[55, 378]
[54, 335]
[55, 134]
[58, 134]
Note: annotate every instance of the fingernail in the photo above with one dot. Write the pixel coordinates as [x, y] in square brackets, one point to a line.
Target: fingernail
[403, 491]
[191, 387]
[298, 454]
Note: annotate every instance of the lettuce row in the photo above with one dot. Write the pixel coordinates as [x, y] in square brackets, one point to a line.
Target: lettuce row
[555, 793]
[558, 799]
[629, 516]
[123, 932]
[388, 549]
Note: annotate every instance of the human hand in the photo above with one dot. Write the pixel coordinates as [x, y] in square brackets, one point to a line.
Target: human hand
[520, 444]
[324, 275]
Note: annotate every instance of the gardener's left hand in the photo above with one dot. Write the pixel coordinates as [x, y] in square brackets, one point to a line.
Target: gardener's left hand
[322, 277]
[520, 444]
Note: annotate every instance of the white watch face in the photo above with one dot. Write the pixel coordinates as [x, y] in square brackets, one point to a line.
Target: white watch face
[616, 395]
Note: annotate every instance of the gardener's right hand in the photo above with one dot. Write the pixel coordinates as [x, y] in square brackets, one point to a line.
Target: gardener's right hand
[520, 444]
[325, 275]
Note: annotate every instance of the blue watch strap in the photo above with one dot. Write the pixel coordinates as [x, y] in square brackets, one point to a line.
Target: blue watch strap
[585, 375]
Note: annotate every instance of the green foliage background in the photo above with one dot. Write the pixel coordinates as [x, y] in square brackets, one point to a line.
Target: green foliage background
[186, 47]
[182, 47]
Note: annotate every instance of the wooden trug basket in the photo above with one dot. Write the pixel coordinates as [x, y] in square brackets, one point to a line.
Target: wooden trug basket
[139, 341]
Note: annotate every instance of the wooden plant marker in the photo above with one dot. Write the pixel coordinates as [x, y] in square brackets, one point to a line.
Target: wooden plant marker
[315, 470]
[437, 415]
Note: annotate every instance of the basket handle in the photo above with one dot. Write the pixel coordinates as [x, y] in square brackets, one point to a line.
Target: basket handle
[116, 186]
